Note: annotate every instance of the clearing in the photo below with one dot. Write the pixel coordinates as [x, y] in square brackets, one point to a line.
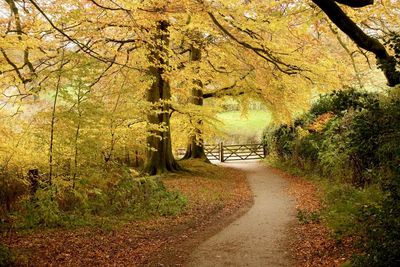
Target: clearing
[244, 129]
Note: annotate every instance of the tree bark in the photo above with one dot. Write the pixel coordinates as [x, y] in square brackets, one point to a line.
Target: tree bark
[159, 153]
[195, 146]
[53, 117]
[385, 62]
[77, 136]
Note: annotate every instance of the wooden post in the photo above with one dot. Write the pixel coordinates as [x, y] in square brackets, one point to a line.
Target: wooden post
[136, 158]
[33, 176]
[265, 151]
[221, 152]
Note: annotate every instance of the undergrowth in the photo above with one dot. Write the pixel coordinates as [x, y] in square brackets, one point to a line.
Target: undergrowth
[94, 203]
[7, 257]
[349, 144]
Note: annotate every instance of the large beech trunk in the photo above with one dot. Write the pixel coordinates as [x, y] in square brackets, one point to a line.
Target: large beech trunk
[159, 154]
[195, 147]
[194, 150]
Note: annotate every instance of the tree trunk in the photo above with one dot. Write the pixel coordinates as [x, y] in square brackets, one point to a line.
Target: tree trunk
[195, 147]
[77, 136]
[159, 154]
[53, 118]
[195, 150]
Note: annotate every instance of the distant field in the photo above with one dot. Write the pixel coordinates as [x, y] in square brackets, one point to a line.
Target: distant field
[246, 128]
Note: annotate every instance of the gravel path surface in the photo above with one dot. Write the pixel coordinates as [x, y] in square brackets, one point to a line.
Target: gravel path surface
[258, 238]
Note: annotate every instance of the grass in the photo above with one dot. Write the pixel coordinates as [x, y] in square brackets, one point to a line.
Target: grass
[343, 203]
[246, 127]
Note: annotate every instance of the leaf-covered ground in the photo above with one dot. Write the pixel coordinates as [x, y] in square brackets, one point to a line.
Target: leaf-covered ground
[215, 196]
[312, 243]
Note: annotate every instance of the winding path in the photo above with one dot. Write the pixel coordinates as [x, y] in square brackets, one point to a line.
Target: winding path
[259, 237]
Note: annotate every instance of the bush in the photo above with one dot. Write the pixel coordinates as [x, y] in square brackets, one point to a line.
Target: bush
[333, 156]
[338, 102]
[382, 244]
[382, 235]
[7, 258]
[309, 146]
[42, 210]
[70, 199]
[143, 197]
[12, 187]
[345, 206]
[284, 137]
[60, 205]
[354, 138]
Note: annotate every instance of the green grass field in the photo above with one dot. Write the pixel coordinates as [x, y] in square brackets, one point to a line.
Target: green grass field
[244, 128]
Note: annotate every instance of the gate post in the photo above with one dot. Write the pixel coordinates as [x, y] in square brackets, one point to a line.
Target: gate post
[265, 150]
[221, 152]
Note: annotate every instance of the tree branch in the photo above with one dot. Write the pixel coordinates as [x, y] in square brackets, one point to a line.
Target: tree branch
[262, 52]
[386, 62]
[351, 54]
[14, 10]
[82, 46]
[222, 91]
[15, 68]
[355, 3]
[227, 91]
[108, 8]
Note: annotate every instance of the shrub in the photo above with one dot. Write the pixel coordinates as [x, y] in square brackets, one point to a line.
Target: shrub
[345, 206]
[382, 243]
[338, 102]
[7, 258]
[358, 151]
[143, 197]
[42, 210]
[126, 196]
[308, 146]
[284, 137]
[70, 199]
[12, 187]
[333, 154]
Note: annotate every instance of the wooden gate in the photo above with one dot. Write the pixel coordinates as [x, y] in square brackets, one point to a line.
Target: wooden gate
[213, 152]
[223, 152]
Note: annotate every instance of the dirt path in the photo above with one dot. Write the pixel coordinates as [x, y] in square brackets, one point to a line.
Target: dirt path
[258, 238]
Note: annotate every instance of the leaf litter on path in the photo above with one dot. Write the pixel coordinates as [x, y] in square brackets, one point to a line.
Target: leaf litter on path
[214, 193]
[312, 243]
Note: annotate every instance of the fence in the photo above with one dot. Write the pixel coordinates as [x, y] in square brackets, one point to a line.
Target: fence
[224, 153]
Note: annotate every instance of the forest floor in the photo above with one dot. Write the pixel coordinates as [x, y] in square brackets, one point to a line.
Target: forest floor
[311, 242]
[269, 234]
[216, 196]
[259, 237]
[230, 220]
